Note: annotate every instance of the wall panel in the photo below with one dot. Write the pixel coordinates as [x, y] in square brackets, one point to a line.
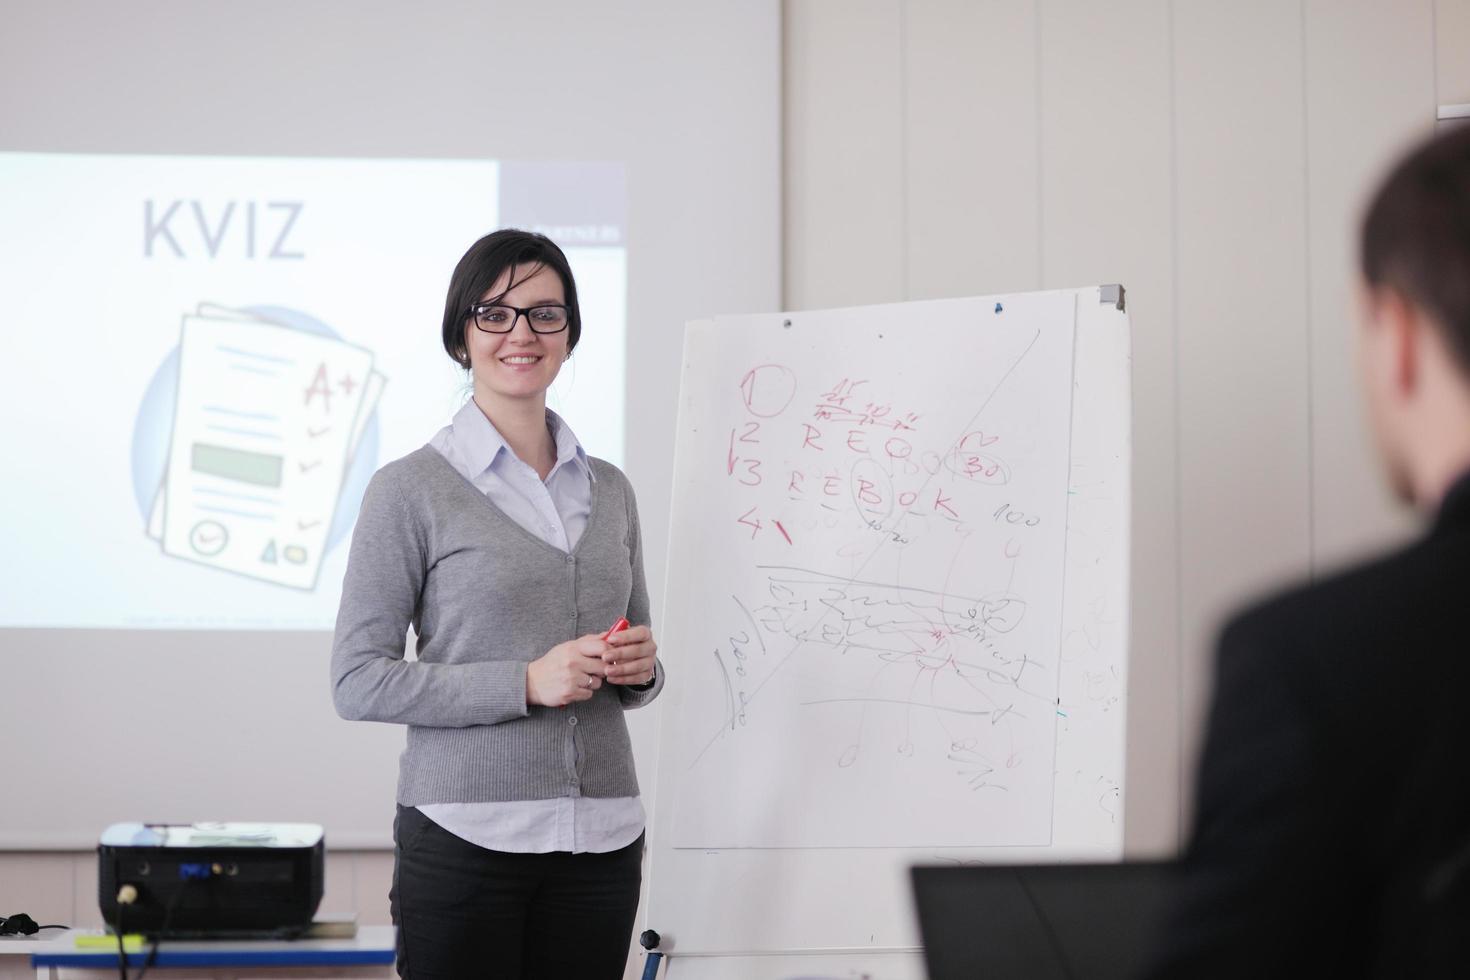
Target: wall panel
[844, 215]
[1452, 52]
[970, 144]
[1356, 122]
[1244, 477]
[1105, 150]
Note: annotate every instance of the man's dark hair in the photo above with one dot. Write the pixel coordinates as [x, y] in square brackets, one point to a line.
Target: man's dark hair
[484, 263]
[1416, 234]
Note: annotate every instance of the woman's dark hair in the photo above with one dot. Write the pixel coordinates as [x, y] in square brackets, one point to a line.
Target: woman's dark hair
[485, 262]
[1416, 234]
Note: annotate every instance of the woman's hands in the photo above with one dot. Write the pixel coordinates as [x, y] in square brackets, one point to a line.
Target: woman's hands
[567, 673]
[630, 656]
[573, 671]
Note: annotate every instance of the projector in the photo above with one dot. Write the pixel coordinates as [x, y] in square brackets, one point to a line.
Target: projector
[199, 880]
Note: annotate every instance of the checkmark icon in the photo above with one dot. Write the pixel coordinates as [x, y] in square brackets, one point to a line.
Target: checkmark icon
[306, 525]
[308, 467]
[314, 433]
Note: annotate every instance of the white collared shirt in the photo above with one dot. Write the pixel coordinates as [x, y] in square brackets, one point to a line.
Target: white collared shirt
[556, 511]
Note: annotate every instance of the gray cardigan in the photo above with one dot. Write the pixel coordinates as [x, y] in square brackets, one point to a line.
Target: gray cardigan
[485, 598]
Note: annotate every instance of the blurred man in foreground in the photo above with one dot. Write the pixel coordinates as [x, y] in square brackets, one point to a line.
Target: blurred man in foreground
[1332, 829]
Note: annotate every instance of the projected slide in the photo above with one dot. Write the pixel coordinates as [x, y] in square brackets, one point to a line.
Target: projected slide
[203, 360]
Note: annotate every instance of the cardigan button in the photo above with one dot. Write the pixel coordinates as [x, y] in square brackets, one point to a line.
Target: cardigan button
[572, 720]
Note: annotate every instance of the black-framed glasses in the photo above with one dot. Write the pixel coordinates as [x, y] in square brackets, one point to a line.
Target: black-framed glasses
[499, 318]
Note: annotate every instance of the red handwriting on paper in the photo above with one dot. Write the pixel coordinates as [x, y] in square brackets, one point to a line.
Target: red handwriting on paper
[838, 404]
[750, 467]
[842, 391]
[752, 520]
[974, 460]
[833, 402]
[767, 389]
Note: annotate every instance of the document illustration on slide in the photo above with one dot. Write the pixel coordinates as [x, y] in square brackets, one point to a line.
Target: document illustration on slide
[266, 423]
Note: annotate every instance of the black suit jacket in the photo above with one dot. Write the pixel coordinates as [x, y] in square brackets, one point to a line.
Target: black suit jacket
[1332, 829]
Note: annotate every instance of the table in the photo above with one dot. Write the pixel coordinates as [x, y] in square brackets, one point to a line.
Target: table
[369, 954]
[16, 952]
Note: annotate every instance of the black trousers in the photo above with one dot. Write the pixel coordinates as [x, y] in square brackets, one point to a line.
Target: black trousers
[464, 911]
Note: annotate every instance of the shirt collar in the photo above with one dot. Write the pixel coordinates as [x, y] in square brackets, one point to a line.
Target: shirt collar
[481, 445]
[568, 448]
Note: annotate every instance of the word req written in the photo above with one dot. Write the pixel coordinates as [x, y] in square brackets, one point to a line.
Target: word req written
[850, 448]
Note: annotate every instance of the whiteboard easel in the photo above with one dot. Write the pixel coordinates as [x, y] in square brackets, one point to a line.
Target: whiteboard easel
[739, 901]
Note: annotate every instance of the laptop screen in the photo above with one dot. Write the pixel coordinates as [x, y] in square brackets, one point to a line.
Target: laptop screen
[1039, 922]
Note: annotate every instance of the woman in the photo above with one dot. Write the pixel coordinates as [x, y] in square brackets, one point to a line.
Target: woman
[519, 833]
